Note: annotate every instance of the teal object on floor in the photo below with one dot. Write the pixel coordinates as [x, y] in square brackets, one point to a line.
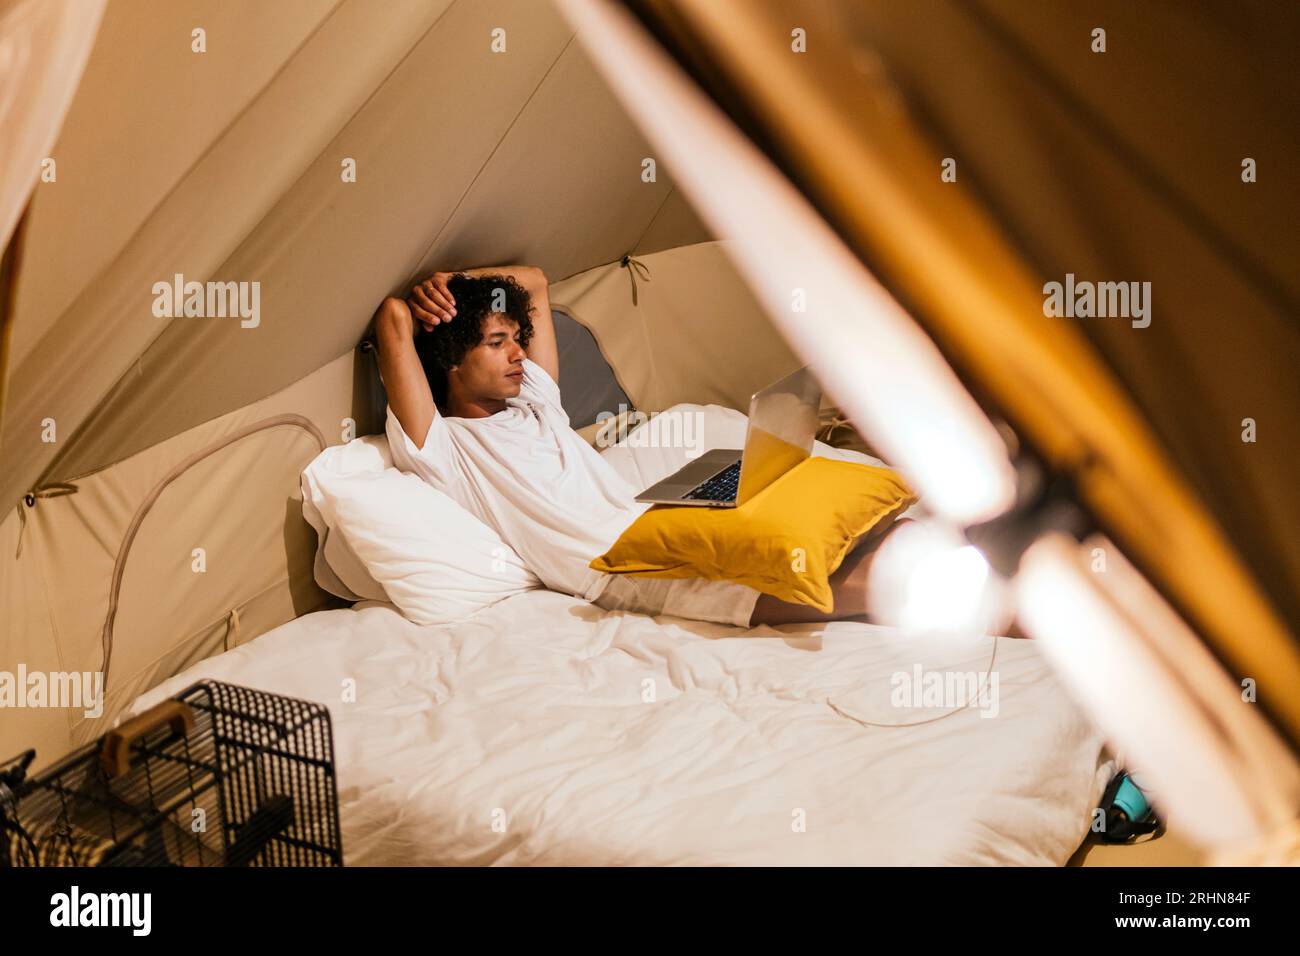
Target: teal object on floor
[1128, 811]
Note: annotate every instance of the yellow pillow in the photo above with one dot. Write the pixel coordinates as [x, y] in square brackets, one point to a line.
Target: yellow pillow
[785, 541]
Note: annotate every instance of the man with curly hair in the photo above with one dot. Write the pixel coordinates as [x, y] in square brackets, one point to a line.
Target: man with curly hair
[470, 364]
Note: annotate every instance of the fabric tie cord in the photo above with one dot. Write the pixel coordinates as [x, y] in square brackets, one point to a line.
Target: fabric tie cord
[829, 429]
[53, 490]
[633, 266]
[232, 627]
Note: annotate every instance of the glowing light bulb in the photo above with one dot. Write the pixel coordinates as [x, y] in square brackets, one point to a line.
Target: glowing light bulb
[927, 577]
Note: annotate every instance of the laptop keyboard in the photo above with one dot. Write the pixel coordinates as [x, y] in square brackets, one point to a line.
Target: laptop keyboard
[721, 487]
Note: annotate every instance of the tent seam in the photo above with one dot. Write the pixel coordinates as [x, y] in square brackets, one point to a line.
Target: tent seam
[672, 188]
[49, 614]
[486, 162]
[118, 461]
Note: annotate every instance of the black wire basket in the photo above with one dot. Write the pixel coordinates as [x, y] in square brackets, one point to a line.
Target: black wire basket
[219, 775]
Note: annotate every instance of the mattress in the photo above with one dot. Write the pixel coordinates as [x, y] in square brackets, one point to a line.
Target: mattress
[544, 730]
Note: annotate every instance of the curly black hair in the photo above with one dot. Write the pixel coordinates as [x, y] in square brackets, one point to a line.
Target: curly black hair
[476, 297]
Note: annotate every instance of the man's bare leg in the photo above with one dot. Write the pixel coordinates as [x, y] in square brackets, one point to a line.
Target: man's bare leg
[848, 585]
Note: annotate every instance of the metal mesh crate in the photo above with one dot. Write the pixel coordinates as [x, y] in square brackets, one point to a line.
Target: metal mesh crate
[219, 775]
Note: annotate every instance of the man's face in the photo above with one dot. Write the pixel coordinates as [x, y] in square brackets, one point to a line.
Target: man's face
[495, 367]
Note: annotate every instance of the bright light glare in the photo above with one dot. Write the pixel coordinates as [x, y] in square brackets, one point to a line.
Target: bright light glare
[926, 577]
[867, 352]
[944, 589]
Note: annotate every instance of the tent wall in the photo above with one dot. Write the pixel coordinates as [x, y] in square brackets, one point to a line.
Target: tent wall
[44, 45]
[694, 334]
[227, 165]
[240, 504]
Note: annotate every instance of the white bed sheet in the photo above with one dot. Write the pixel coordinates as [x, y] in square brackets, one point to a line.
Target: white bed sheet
[523, 735]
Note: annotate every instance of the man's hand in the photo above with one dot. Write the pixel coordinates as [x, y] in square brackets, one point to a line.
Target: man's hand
[431, 302]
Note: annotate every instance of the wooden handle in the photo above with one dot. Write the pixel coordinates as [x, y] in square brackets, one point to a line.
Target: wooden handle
[115, 758]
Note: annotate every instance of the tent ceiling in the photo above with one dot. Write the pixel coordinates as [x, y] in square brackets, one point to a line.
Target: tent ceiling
[129, 127]
[463, 156]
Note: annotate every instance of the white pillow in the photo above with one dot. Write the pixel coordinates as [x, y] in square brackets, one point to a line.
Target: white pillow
[394, 534]
[338, 570]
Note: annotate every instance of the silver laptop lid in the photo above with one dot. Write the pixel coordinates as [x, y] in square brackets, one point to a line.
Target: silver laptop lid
[782, 426]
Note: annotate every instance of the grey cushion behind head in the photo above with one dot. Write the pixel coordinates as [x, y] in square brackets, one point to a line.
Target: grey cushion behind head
[587, 382]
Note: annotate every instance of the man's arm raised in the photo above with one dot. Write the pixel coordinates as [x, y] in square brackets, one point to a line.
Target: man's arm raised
[401, 371]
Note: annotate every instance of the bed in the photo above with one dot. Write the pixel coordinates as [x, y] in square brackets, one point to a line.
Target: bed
[544, 730]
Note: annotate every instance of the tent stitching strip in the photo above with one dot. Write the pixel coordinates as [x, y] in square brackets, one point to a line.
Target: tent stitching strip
[56, 490]
[486, 162]
[119, 565]
[672, 188]
[635, 267]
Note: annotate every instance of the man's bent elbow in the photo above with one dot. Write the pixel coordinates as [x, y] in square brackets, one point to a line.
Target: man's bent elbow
[393, 318]
[391, 308]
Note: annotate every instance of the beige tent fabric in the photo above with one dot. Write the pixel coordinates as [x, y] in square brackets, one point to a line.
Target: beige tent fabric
[43, 49]
[463, 156]
[211, 202]
[675, 224]
[241, 505]
[112, 132]
[696, 333]
[29, 639]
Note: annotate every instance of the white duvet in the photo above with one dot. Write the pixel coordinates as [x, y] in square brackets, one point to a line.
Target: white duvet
[544, 730]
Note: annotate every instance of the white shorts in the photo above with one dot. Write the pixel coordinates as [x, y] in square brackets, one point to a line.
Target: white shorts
[699, 599]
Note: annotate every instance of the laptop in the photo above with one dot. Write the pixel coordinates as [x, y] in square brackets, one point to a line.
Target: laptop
[782, 426]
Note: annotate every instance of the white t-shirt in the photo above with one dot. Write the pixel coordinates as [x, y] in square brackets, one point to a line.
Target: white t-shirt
[526, 473]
